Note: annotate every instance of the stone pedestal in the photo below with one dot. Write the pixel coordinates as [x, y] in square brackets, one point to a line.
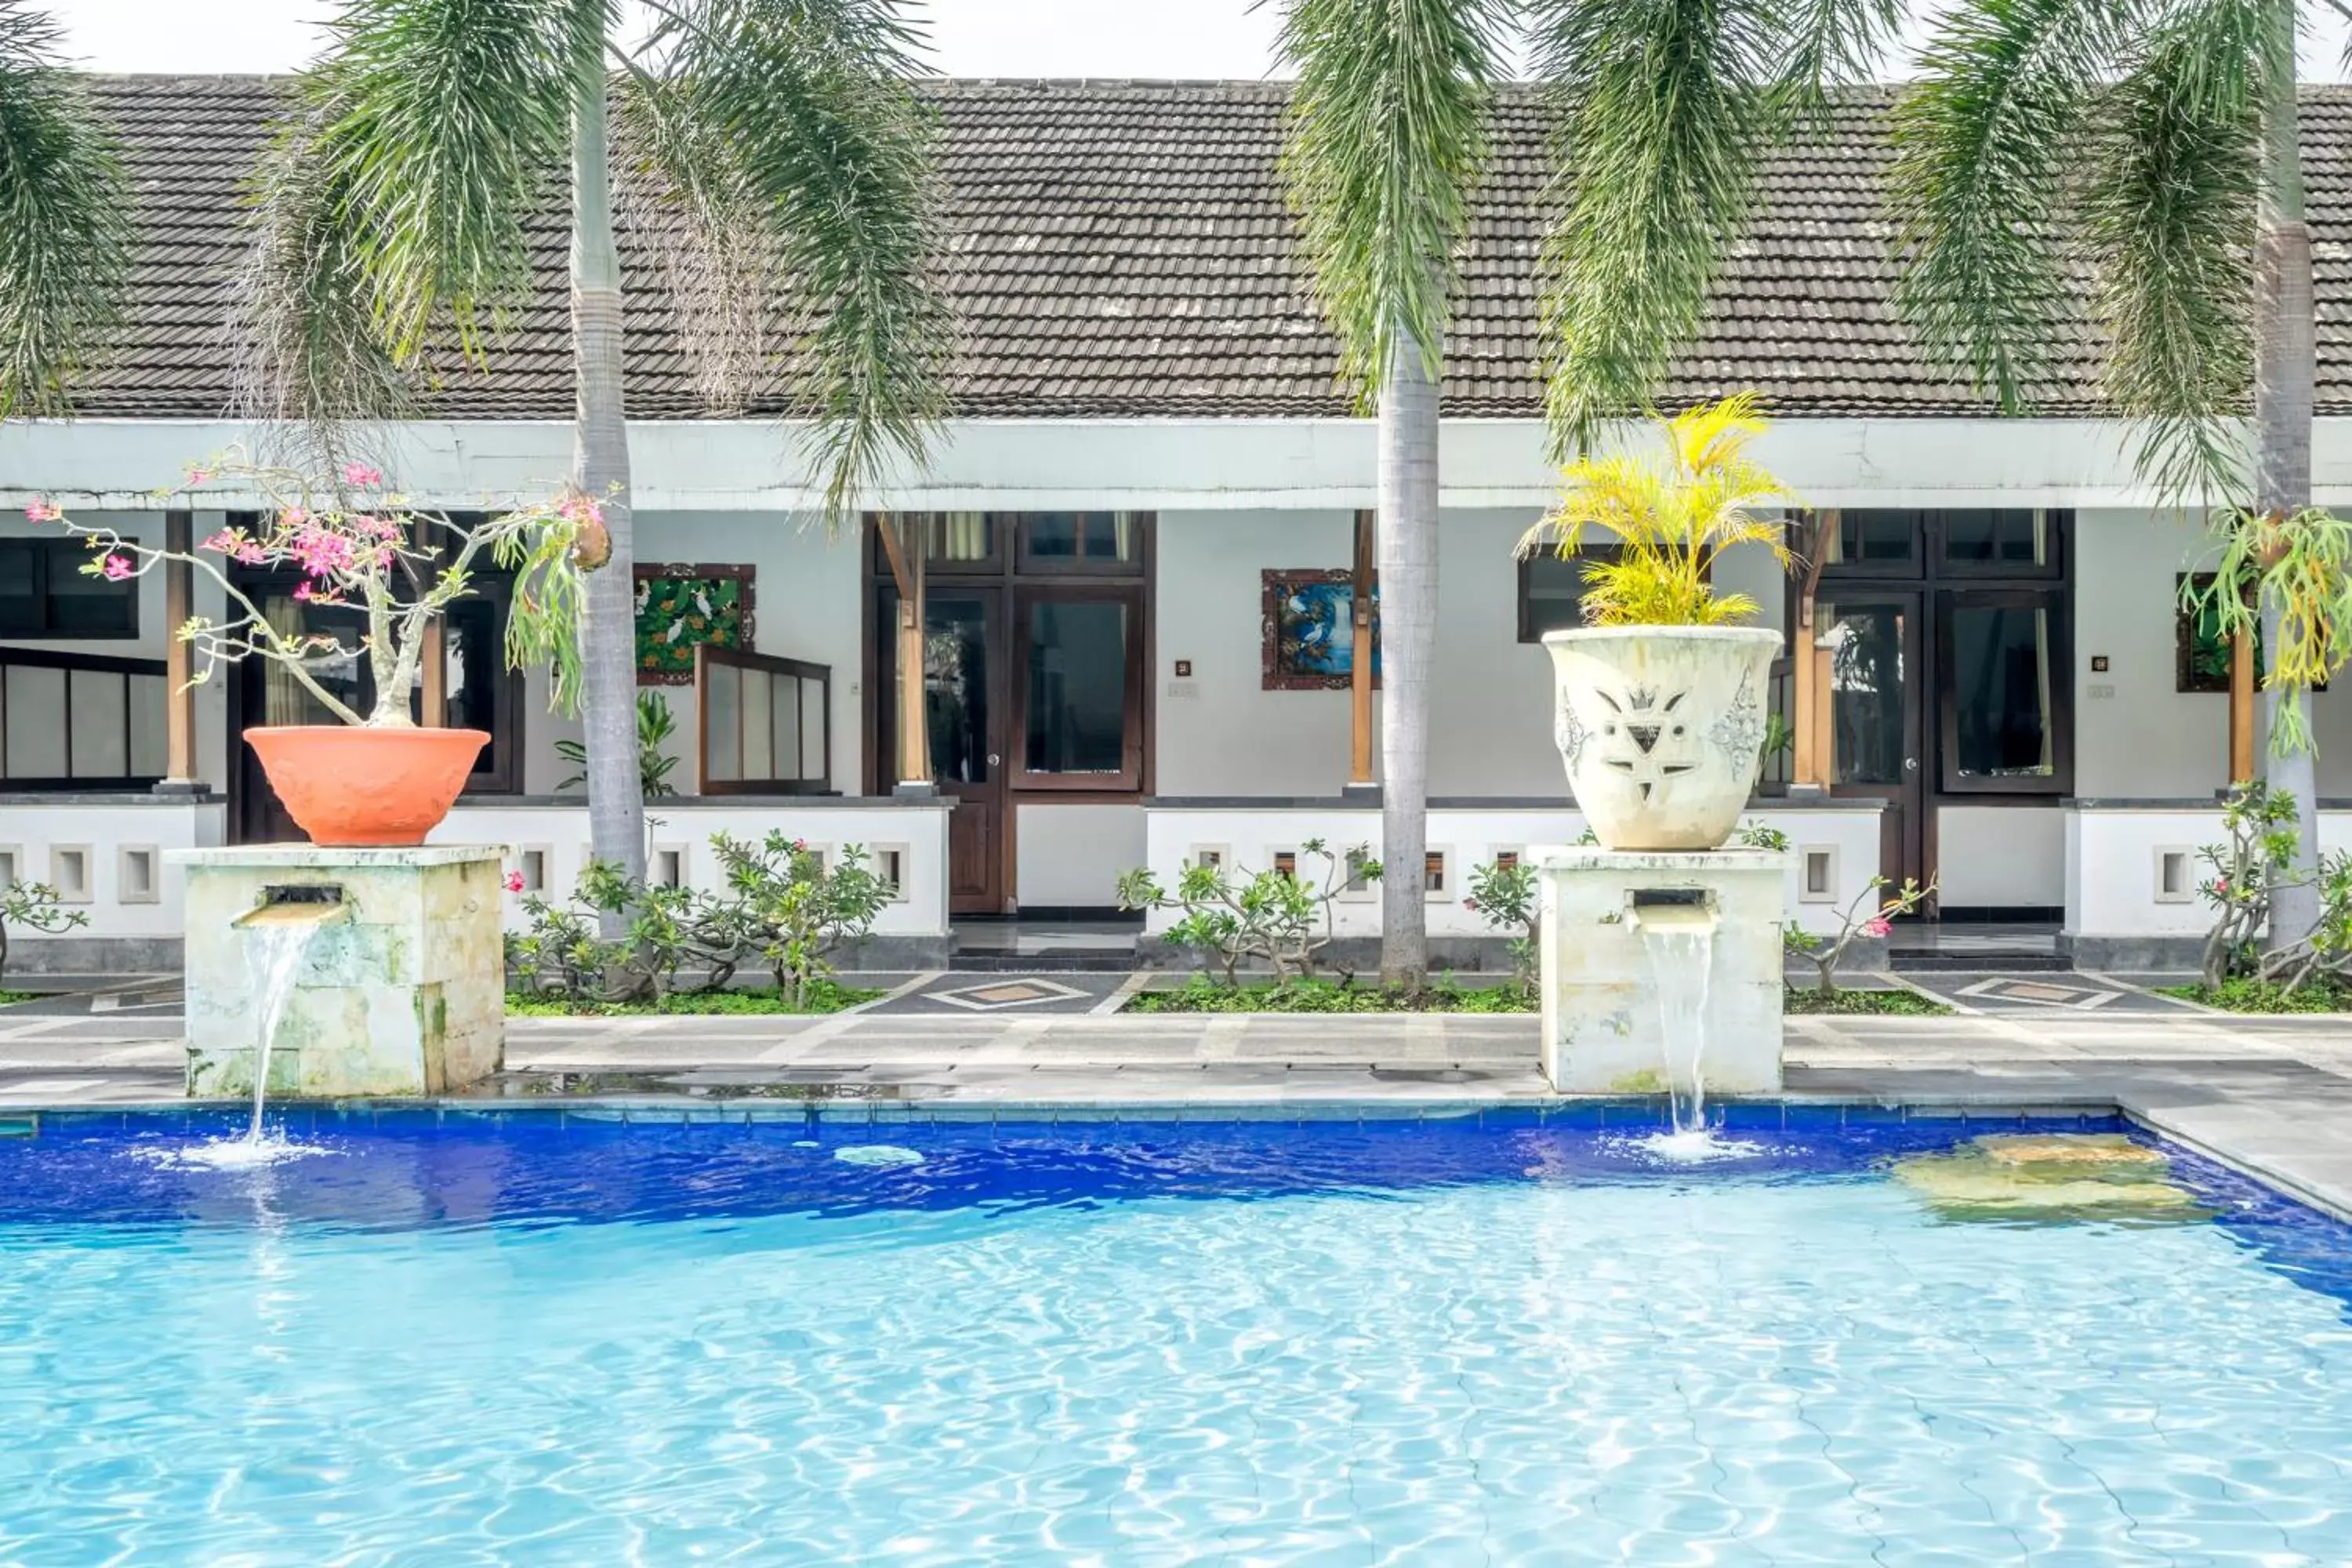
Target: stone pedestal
[400, 989]
[1603, 1028]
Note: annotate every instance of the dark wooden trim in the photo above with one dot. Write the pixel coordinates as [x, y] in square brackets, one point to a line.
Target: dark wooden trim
[1525, 566]
[705, 656]
[74, 552]
[1018, 775]
[2051, 598]
[1003, 572]
[98, 663]
[1020, 524]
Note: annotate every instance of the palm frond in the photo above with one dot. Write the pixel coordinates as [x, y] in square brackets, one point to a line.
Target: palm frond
[1667, 106]
[1984, 143]
[723, 269]
[447, 123]
[65, 218]
[309, 363]
[1387, 131]
[2169, 196]
[805, 121]
[1670, 516]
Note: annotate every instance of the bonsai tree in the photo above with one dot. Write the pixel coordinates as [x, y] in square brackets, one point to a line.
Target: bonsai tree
[355, 542]
[1670, 517]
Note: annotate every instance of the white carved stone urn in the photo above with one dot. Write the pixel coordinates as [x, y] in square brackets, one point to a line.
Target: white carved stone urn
[1661, 728]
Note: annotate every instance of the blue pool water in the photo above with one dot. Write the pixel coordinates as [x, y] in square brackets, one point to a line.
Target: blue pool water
[542, 1340]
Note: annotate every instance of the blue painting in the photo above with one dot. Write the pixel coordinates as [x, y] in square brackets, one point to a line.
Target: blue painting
[1309, 630]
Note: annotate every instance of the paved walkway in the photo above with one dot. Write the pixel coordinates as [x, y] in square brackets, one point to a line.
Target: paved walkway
[2272, 1096]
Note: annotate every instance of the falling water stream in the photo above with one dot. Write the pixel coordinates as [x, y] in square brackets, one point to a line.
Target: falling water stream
[277, 939]
[1681, 943]
[275, 944]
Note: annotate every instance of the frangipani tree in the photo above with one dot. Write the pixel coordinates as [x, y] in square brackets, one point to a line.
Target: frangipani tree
[2159, 138]
[65, 218]
[780, 142]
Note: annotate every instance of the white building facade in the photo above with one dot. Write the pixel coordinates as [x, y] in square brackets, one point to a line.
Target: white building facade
[2017, 709]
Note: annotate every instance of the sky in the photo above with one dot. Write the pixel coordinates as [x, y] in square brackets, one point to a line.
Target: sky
[970, 37]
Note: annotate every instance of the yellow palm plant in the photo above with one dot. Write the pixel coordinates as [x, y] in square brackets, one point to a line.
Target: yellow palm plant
[1671, 516]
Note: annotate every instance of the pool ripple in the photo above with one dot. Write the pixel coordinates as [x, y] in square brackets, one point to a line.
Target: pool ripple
[1265, 1346]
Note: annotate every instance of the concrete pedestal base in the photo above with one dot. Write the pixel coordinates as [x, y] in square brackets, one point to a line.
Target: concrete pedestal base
[400, 991]
[1604, 1031]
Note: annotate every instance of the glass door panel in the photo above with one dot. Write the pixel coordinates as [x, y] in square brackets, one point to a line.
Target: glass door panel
[2003, 667]
[1870, 642]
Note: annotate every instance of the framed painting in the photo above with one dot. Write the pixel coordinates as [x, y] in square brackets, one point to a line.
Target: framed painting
[2200, 653]
[1308, 630]
[683, 606]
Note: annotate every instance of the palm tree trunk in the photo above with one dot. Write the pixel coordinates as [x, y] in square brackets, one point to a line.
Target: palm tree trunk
[616, 806]
[2284, 375]
[1407, 643]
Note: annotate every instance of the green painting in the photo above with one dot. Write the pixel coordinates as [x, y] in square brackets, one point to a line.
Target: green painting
[2201, 651]
[680, 607]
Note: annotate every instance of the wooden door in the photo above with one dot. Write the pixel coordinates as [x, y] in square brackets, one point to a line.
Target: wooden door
[965, 712]
[1873, 640]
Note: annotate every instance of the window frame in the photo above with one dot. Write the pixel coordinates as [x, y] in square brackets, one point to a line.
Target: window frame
[1018, 774]
[2058, 523]
[1026, 562]
[1526, 583]
[2052, 600]
[47, 552]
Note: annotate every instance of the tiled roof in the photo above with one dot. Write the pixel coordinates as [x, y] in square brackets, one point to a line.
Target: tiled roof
[1122, 248]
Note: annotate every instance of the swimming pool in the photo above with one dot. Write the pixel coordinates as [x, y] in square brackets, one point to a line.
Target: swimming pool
[551, 1339]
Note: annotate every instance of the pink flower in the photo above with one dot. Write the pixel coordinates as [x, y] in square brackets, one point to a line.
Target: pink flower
[45, 511]
[117, 567]
[2222, 886]
[1878, 927]
[580, 508]
[224, 541]
[1469, 903]
[302, 593]
[249, 552]
[197, 475]
[514, 882]
[360, 476]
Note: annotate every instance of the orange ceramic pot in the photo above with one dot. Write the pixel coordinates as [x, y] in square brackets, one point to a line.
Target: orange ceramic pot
[348, 786]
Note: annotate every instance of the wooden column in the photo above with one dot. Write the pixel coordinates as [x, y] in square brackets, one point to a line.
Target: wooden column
[906, 541]
[2242, 707]
[1359, 752]
[1814, 746]
[179, 774]
[433, 677]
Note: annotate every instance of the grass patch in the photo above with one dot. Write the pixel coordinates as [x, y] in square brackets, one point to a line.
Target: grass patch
[7, 996]
[823, 997]
[2266, 997]
[1202, 995]
[1897, 1004]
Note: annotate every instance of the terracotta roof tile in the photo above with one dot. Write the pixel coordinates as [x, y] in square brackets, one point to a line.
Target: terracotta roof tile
[1122, 248]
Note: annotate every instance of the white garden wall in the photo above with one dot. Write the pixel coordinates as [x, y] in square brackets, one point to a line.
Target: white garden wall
[1842, 839]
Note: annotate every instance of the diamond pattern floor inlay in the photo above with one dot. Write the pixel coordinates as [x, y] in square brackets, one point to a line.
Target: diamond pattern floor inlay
[2043, 993]
[1003, 995]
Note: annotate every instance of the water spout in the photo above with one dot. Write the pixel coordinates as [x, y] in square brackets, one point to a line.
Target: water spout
[1679, 934]
[278, 937]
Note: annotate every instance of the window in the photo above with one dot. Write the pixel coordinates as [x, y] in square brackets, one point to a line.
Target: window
[1080, 668]
[1551, 590]
[1081, 542]
[1875, 539]
[2008, 539]
[44, 593]
[2006, 718]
